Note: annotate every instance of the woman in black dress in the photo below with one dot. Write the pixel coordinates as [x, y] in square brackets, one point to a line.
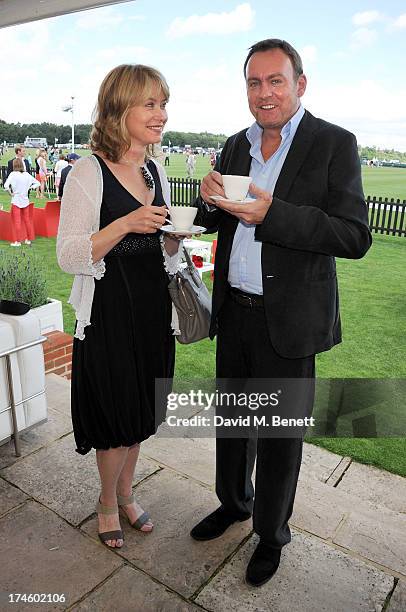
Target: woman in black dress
[115, 201]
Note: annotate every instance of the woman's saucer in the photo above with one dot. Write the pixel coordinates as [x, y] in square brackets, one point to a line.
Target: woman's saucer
[195, 229]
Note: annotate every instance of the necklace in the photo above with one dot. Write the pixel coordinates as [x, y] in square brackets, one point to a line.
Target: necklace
[148, 180]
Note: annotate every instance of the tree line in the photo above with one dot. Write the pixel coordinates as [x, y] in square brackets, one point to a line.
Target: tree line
[381, 154]
[17, 132]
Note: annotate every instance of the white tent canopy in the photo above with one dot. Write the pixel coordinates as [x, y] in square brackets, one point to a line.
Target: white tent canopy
[13, 12]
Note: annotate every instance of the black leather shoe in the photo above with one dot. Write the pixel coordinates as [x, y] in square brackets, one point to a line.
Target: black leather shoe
[215, 525]
[263, 565]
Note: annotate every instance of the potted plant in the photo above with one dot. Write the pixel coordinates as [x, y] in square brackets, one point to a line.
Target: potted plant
[23, 280]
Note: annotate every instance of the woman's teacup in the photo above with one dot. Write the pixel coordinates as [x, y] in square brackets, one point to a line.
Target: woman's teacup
[182, 217]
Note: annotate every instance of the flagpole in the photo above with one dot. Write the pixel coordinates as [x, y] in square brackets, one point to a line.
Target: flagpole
[73, 127]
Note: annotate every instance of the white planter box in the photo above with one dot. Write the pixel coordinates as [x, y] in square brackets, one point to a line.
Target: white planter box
[50, 316]
[28, 372]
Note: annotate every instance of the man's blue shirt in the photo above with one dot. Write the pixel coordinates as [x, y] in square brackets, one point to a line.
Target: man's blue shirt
[245, 270]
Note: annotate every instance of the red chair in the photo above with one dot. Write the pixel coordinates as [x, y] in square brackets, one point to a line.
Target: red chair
[46, 220]
[6, 227]
[213, 256]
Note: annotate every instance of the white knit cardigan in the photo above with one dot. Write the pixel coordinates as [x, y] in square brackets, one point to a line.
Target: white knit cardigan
[80, 218]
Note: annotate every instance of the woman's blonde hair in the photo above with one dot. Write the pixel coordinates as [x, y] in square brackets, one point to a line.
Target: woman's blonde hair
[123, 87]
[18, 165]
[42, 153]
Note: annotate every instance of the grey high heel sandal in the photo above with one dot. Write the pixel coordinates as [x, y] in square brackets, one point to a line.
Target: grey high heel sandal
[109, 535]
[141, 520]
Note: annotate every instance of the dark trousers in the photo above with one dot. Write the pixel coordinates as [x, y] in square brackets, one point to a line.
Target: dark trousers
[244, 350]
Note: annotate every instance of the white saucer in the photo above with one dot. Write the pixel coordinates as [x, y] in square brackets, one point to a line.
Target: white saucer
[218, 198]
[195, 229]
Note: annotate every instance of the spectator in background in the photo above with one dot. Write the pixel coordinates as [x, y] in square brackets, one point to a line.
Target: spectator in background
[59, 166]
[213, 159]
[37, 171]
[18, 183]
[20, 154]
[72, 158]
[190, 164]
[42, 171]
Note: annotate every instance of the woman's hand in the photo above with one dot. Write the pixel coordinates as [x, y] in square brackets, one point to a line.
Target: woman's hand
[145, 220]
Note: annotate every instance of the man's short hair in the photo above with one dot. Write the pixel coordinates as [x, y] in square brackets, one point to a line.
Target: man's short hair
[276, 43]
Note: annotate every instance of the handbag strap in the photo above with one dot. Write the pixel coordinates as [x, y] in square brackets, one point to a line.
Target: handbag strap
[188, 259]
[191, 267]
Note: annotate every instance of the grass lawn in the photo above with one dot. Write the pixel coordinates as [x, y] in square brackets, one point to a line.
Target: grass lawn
[374, 328]
[384, 182]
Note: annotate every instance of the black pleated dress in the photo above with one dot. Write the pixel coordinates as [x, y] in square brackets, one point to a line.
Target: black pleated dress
[129, 342]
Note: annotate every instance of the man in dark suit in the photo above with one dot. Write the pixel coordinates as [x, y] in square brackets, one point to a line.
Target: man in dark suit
[20, 154]
[275, 294]
[72, 158]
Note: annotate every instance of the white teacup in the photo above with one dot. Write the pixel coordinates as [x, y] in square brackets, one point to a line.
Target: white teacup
[182, 217]
[236, 187]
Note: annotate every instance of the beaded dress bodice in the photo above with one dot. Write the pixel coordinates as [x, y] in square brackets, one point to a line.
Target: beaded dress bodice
[117, 202]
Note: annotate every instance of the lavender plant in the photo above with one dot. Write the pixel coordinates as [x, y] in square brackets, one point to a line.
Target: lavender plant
[22, 278]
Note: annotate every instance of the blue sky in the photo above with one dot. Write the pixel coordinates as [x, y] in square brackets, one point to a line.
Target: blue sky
[353, 52]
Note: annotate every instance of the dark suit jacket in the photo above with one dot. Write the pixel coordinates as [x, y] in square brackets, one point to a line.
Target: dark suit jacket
[64, 175]
[318, 212]
[10, 166]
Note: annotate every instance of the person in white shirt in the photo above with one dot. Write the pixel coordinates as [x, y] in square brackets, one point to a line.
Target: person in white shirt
[190, 164]
[18, 183]
[42, 171]
[59, 166]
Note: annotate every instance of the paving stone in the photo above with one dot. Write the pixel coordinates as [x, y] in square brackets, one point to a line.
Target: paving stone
[312, 576]
[379, 536]
[65, 481]
[194, 457]
[43, 554]
[397, 602]
[376, 486]
[318, 462]
[168, 553]
[58, 425]
[318, 508]
[130, 585]
[341, 468]
[58, 393]
[10, 497]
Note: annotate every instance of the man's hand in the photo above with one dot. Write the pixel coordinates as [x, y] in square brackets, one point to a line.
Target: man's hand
[212, 184]
[253, 212]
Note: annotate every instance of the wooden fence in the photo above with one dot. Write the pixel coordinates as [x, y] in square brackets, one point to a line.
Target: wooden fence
[386, 215]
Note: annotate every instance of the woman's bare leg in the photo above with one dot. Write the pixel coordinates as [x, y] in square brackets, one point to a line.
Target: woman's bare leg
[124, 486]
[110, 463]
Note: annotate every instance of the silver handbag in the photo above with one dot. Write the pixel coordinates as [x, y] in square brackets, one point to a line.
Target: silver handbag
[192, 301]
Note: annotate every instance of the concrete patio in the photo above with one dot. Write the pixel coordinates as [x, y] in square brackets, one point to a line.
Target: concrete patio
[348, 550]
